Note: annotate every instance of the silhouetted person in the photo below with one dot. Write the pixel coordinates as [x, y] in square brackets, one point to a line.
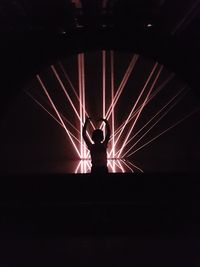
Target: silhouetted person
[98, 149]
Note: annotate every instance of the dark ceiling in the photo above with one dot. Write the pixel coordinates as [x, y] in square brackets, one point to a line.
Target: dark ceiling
[36, 32]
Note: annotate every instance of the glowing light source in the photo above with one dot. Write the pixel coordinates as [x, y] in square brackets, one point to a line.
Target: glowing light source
[122, 135]
[149, 25]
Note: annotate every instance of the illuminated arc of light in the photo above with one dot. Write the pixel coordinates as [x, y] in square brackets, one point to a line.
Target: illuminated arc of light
[150, 98]
[162, 116]
[132, 110]
[163, 132]
[57, 113]
[141, 109]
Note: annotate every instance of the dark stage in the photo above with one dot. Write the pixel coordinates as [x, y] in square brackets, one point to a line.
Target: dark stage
[50, 217]
[141, 219]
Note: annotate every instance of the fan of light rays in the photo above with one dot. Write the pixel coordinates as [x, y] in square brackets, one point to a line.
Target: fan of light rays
[66, 102]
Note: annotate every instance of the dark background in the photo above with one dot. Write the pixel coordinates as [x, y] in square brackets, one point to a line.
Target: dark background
[116, 220]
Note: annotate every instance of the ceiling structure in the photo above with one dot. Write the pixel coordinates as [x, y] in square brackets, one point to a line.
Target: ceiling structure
[166, 16]
[36, 32]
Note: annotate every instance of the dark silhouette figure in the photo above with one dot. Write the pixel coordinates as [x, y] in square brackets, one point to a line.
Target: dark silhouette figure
[98, 149]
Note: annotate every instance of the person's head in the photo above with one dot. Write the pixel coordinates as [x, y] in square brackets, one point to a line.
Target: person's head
[97, 136]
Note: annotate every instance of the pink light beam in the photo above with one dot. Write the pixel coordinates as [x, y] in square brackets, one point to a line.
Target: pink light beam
[141, 109]
[57, 113]
[163, 132]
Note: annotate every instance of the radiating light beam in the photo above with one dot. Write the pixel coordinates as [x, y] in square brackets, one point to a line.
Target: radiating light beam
[164, 114]
[80, 162]
[132, 110]
[136, 167]
[61, 114]
[111, 167]
[74, 90]
[122, 85]
[120, 166]
[125, 163]
[83, 95]
[39, 104]
[141, 109]
[80, 103]
[65, 91]
[159, 119]
[57, 113]
[104, 83]
[112, 97]
[69, 81]
[163, 132]
[188, 16]
[171, 76]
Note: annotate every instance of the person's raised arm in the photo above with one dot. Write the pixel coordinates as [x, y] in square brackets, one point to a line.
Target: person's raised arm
[84, 133]
[107, 137]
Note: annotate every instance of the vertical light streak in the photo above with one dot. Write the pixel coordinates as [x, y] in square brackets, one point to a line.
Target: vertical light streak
[132, 110]
[162, 116]
[57, 113]
[83, 95]
[141, 109]
[150, 98]
[80, 105]
[104, 82]
[163, 132]
[74, 90]
[112, 97]
[65, 91]
[122, 85]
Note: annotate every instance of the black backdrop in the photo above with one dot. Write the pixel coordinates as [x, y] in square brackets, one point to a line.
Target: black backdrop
[84, 221]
